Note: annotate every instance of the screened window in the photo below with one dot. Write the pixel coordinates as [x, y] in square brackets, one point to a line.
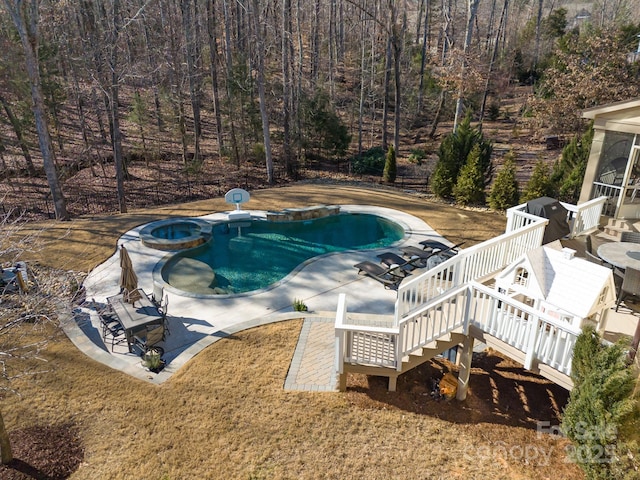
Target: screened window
[613, 159]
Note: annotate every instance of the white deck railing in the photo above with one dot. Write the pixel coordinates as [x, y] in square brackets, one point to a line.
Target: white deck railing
[583, 218]
[471, 263]
[448, 298]
[541, 338]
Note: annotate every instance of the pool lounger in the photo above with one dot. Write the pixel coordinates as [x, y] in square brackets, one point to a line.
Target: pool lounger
[389, 258]
[389, 277]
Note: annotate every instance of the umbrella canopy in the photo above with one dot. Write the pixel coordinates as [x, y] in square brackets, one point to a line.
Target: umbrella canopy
[128, 277]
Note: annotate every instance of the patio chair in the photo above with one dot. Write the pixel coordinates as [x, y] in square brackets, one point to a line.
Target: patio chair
[157, 294]
[588, 244]
[132, 296]
[432, 245]
[112, 330]
[163, 308]
[594, 258]
[633, 237]
[389, 277]
[149, 339]
[630, 285]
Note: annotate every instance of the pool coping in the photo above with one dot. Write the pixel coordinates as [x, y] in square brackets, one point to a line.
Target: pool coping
[165, 244]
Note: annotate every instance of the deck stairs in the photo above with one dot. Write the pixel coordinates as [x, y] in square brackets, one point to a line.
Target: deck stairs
[614, 227]
[450, 305]
[383, 349]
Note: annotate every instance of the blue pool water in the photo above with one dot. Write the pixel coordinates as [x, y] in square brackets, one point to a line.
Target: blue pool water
[248, 256]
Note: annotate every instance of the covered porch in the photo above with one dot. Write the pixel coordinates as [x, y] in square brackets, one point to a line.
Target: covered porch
[613, 168]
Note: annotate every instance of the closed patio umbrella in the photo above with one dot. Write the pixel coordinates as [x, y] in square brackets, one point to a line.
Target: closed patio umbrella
[128, 277]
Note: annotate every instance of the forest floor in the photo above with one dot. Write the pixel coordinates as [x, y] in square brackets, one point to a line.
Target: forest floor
[89, 180]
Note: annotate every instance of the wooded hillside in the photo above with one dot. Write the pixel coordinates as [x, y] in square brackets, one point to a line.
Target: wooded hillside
[160, 101]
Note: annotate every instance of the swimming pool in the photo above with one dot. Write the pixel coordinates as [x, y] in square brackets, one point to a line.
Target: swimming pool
[247, 256]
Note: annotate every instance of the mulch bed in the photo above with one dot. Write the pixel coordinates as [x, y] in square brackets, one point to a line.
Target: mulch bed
[44, 453]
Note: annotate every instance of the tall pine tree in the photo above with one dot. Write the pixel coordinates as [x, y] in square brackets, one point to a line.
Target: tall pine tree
[453, 154]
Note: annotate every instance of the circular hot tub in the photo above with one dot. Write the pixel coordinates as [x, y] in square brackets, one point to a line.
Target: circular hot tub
[175, 233]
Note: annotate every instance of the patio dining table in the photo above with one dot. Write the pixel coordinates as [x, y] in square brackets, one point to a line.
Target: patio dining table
[621, 254]
[135, 317]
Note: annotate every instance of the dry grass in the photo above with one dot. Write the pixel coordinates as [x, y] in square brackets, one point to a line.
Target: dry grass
[226, 415]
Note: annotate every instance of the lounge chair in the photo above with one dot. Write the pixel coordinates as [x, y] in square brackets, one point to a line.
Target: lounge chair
[389, 277]
[446, 252]
[389, 258]
[434, 245]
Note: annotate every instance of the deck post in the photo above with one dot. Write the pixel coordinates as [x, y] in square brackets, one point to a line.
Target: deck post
[465, 356]
[342, 382]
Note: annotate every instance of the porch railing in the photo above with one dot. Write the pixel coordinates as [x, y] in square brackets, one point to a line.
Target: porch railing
[542, 338]
[585, 217]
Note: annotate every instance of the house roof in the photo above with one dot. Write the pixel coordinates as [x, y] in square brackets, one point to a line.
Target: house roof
[619, 116]
[567, 282]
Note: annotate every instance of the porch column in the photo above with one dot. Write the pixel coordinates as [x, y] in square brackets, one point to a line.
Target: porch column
[465, 355]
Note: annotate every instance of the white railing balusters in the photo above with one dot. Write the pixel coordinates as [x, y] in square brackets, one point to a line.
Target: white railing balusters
[447, 298]
[469, 264]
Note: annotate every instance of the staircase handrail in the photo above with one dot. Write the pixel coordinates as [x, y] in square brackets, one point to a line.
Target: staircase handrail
[423, 326]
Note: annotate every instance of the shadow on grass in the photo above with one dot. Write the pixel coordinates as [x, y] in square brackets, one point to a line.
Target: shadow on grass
[500, 392]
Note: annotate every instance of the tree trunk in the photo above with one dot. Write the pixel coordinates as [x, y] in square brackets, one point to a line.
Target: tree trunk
[299, 72]
[153, 63]
[116, 134]
[423, 60]
[286, 86]
[536, 50]
[315, 43]
[192, 74]
[25, 19]
[494, 54]
[472, 8]
[387, 86]
[261, 93]
[6, 455]
[363, 31]
[213, 58]
[18, 131]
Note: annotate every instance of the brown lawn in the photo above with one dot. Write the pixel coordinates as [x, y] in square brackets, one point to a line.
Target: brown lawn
[225, 414]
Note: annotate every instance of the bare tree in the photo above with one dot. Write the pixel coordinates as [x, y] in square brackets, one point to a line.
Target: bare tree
[472, 9]
[213, 66]
[27, 316]
[17, 128]
[190, 37]
[260, 52]
[25, 16]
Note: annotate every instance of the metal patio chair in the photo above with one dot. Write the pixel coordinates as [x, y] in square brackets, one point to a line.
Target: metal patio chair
[630, 285]
[630, 237]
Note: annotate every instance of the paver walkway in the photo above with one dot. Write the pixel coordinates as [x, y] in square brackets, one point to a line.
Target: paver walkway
[312, 367]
